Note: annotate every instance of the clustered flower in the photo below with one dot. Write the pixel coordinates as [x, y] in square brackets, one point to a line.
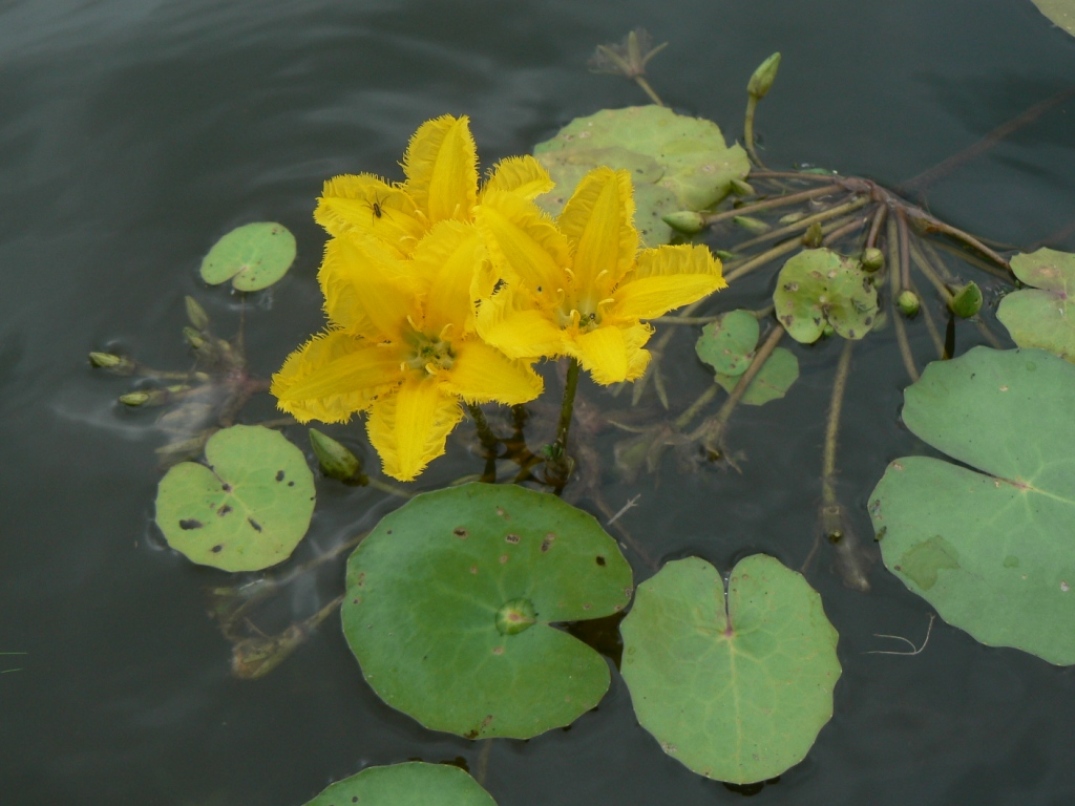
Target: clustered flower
[441, 291]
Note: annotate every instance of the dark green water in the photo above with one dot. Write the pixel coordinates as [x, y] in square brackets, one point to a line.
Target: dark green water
[133, 133]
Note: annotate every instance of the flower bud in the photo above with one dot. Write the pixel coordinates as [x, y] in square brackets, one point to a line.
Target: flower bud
[873, 259]
[966, 301]
[336, 461]
[741, 188]
[813, 236]
[908, 303]
[196, 314]
[762, 81]
[118, 364]
[145, 397]
[685, 221]
[755, 226]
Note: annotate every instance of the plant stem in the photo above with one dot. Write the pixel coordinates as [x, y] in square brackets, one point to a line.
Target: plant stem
[768, 204]
[684, 419]
[804, 223]
[712, 429]
[840, 232]
[875, 225]
[558, 465]
[641, 81]
[905, 259]
[488, 440]
[893, 260]
[748, 130]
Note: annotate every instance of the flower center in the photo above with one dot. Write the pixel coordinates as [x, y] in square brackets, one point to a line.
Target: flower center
[429, 354]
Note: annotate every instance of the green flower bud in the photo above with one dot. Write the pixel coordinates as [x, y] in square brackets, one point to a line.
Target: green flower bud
[741, 188]
[813, 236]
[336, 461]
[145, 397]
[966, 301]
[118, 364]
[762, 81]
[685, 221]
[196, 314]
[908, 303]
[873, 259]
[791, 218]
[725, 255]
[755, 226]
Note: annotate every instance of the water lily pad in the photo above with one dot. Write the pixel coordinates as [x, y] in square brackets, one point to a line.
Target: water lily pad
[727, 345]
[1060, 12]
[818, 286]
[735, 688]
[676, 162]
[777, 374]
[1042, 316]
[400, 784]
[247, 510]
[253, 256]
[450, 602]
[991, 545]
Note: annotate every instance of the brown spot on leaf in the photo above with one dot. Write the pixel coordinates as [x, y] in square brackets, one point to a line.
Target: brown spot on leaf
[460, 532]
[546, 544]
[512, 538]
[254, 524]
[190, 523]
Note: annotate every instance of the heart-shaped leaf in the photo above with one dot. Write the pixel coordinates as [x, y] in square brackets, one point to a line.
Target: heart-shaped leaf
[734, 687]
[450, 602]
[676, 162]
[1044, 315]
[401, 784]
[777, 374]
[247, 510]
[253, 256]
[727, 345]
[1060, 12]
[992, 548]
[818, 286]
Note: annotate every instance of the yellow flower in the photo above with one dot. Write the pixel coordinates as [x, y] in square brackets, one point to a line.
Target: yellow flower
[441, 169]
[402, 346]
[580, 286]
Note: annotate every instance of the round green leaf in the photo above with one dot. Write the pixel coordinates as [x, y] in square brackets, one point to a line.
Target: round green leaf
[450, 602]
[401, 784]
[253, 256]
[991, 548]
[1042, 316]
[728, 344]
[1060, 12]
[772, 382]
[676, 162]
[818, 286]
[736, 688]
[247, 510]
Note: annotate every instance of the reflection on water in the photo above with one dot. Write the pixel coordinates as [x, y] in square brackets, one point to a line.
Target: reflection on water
[134, 134]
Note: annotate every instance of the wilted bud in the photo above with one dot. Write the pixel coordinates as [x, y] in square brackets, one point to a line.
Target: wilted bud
[966, 301]
[196, 314]
[762, 81]
[755, 226]
[336, 461]
[908, 303]
[813, 236]
[873, 259]
[685, 221]
[741, 188]
[118, 364]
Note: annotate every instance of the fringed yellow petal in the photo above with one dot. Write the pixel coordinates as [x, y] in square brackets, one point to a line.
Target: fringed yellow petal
[441, 165]
[368, 205]
[597, 220]
[666, 278]
[451, 257]
[333, 376]
[508, 321]
[612, 354]
[524, 244]
[408, 429]
[483, 374]
[367, 289]
[522, 175]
